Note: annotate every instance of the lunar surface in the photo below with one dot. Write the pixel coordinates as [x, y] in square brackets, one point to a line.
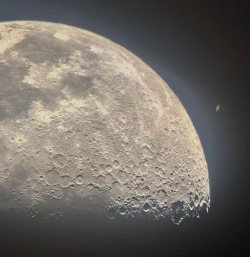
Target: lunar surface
[88, 128]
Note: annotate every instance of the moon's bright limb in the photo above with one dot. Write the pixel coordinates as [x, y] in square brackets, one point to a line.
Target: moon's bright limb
[87, 127]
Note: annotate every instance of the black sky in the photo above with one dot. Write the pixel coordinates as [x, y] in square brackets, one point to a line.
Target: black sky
[201, 50]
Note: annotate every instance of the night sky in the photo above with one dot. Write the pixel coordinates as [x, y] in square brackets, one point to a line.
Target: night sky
[202, 51]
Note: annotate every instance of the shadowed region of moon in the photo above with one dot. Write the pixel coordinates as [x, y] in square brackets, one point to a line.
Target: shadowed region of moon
[87, 128]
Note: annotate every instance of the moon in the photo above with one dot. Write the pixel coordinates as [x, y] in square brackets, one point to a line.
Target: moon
[88, 128]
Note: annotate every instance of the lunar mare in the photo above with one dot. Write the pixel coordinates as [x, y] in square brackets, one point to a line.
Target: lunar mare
[86, 127]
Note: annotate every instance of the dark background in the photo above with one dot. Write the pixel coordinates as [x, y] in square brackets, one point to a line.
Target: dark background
[201, 50]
